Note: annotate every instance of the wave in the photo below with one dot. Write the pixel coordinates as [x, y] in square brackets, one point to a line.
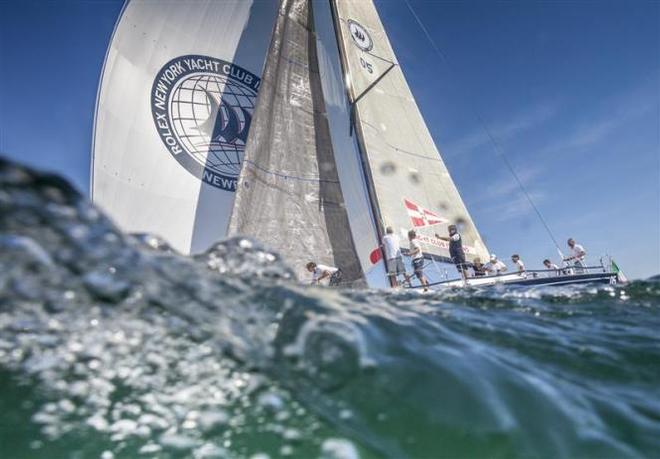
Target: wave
[114, 345]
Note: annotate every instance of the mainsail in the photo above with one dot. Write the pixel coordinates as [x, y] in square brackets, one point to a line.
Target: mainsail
[410, 184]
[174, 108]
[289, 196]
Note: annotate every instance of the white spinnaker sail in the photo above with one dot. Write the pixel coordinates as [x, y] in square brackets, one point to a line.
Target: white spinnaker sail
[175, 102]
[412, 186]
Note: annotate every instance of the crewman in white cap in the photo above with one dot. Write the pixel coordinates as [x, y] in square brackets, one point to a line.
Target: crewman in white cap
[494, 266]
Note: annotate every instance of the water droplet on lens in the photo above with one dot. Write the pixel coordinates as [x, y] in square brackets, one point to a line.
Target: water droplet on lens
[388, 168]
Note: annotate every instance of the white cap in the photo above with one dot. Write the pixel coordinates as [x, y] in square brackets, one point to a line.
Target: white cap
[493, 256]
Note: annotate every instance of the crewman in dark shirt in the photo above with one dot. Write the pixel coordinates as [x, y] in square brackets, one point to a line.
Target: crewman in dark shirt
[456, 251]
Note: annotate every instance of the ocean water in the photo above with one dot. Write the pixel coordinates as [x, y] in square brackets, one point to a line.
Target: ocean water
[114, 346]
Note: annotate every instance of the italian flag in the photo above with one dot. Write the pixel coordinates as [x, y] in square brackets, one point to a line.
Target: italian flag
[620, 277]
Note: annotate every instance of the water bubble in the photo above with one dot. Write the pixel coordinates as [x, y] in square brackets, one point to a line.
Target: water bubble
[150, 448]
[338, 448]
[209, 450]
[36, 444]
[177, 441]
[212, 420]
[105, 286]
[124, 427]
[271, 401]
[293, 435]
[66, 406]
[98, 422]
[26, 249]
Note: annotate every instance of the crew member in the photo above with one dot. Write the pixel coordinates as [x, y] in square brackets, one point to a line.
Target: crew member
[456, 251]
[393, 257]
[495, 266]
[321, 272]
[417, 258]
[577, 254]
[550, 265]
[518, 263]
[478, 267]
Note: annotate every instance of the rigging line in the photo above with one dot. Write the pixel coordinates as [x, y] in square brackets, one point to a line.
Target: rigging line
[490, 136]
[520, 184]
[374, 83]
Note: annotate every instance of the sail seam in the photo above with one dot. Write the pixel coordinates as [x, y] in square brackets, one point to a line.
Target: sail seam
[401, 150]
[287, 176]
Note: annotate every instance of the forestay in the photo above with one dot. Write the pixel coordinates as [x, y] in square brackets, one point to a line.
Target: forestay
[288, 195]
[174, 107]
[410, 183]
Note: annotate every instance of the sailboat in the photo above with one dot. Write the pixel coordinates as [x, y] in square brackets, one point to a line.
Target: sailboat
[290, 122]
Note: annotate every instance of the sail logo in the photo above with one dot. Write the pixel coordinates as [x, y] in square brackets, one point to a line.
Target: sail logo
[360, 36]
[420, 217]
[202, 109]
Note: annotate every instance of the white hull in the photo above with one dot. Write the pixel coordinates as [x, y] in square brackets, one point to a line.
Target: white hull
[532, 278]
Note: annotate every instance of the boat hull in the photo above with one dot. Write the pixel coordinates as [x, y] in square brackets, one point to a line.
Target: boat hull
[600, 278]
[528, 280]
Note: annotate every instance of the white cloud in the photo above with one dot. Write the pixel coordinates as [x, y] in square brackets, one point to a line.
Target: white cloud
[611, 115]
[502, 131]
[507, 186]
[509, 207]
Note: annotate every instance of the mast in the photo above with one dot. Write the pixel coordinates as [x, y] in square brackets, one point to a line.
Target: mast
[357, 128]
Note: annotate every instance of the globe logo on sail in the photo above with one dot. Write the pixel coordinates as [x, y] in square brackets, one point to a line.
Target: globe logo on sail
[360, 36]
[202, 109]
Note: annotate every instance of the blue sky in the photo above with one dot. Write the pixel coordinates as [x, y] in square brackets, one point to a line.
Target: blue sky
[569, 90]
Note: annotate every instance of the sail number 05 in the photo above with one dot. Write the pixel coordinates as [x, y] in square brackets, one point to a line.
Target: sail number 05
[366, 65]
